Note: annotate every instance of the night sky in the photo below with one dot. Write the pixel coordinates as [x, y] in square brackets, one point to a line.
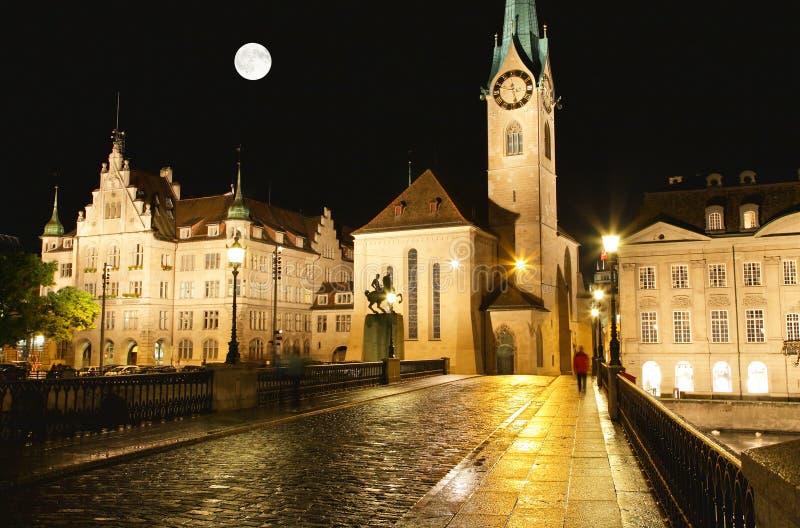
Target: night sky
[649, 90]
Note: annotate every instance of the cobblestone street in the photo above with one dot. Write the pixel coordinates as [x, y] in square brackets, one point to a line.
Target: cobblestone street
[364, 465]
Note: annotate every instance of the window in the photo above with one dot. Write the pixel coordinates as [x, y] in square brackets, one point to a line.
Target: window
[298, 322]
[130, 319]
[288, 323]
[185, 320]
[258, 320]
[113, 257]
[212, 288]
[513, 139]
[750, 219]
[684, 376]
[135, 288]
[89, 288]
[210, 349]
[163, 318]
[66, 270]
[213, 230]
[717, 276]
[721, 377]
[187, 263]
[113, 289]
[110, 319]
[651, 378]
[279, 321]
[212, 260]
[109, 350]
[548, 141]
[752, 274]
[719, 326]
[647, 278]
[757, 380]
[63, 349]
[793, 327]
[412, 294]
[344, 298]
[789, 272]
[184, 232]
[342, 323]
[185, 349]
[322, 323]
[137, 258]
[187, 290]
[754, 324]
[158, 352]
[241, 284]
[680, 276]
[322, 300]
[67, 242]
[256, 349]
[166, 261]
[307, 323]
[436, 330]
[649, 327]
[91, 259]
[714, 221]
[681, 327]
[112, 210]
[163, 290]
[210, 319]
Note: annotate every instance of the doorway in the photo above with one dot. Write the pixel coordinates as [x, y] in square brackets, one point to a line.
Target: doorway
[505, 350]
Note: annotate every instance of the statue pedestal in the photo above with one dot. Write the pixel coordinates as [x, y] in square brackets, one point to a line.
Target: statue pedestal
[377, 329]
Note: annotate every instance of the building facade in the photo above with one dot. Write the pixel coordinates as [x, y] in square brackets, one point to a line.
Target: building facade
[500, 296]
[169, 291]
[709, 290]
[331, 321]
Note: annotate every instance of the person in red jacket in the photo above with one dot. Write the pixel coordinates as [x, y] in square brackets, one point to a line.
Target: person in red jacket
[580, 366]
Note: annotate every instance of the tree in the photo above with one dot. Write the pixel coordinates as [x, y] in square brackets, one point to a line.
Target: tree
[21, 277]
[66, 311]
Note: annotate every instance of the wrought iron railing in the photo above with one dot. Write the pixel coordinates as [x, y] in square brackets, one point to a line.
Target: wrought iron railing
[420, 368]
[699, 483]
[275, 384]
[60, 407]
[602, 379]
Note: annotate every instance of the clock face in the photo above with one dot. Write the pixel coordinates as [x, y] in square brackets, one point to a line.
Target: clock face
[513, 89]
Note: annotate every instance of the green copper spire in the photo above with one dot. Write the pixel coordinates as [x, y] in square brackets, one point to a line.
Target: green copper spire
[521, 26]
[238, 210]
[54, 227]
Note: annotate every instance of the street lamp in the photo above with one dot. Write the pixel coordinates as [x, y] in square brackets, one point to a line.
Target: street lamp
[235, 258]
[598, 295]
[276, 277]
[391, 298]
[106, 269]
[610, 245]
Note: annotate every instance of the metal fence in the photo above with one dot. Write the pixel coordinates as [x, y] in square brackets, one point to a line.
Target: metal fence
[60, 407]
[275, 384]
[421, 368]
[699, 484]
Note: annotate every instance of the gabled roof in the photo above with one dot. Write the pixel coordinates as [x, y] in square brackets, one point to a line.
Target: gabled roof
[414, 207]
[331, 289]
[509, 297]
[157, 193]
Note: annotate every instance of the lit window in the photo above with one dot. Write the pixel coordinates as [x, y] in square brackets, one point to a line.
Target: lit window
[651, 378]
[681, 327]
[130, 319]
[184, 232]
[754, 325]
[213, 230]
[721, 377]
[322, 300]
[714, 221]
[412, 294]
[684, 376]
[750, 219]
[719, 326]
[436, 308]
[680, 276]
[757, 381]
[647, 278]
[717, 276]
[649, 327]
[752, 274]
[789, 272]
[513, 139]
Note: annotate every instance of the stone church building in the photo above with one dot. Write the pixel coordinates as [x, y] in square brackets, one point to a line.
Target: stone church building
[500, 296]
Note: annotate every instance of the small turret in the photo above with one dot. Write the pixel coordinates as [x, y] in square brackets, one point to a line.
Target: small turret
[238, 210]
[54, 227]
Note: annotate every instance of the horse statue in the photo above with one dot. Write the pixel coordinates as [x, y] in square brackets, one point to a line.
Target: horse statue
[375, 297]
[378, 295]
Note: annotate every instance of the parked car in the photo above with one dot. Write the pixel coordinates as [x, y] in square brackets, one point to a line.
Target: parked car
[160, 369]
[12, 372]
[124, 370]
[89, 371]
[192, 368]
[60, 370]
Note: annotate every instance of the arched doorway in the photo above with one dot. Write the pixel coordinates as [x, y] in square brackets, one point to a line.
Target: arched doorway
[651, 378]
[339, 353]
[85, 353]
[133, 353]
[505, 350]
[158, 352]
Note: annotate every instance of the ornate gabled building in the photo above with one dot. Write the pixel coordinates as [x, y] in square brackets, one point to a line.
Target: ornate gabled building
[709, 291]
[500, 296]
[168, 296]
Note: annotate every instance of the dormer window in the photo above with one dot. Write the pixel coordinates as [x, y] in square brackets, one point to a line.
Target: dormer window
[749, 214]
[213, 230]
[399, 208]
[433, 205]
[322, 300]
[300, 242]
[279, 237]
[714, 180]
[258, 233]
[184, 232]
[714, 218]
[344, 298]
[513, 139]
[67, 243]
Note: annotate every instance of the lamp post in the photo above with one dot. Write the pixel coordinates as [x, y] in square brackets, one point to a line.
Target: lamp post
[235, 258]
[391, 298]
[598, 295]
[106, 269]
[276, 277]
[610, 245]
[595, 338]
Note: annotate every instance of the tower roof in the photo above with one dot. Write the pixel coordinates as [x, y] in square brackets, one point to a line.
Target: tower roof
[521, 26]
[54, 226]
[238, 210]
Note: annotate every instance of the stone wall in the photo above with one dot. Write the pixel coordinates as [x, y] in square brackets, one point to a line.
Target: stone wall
[761, 416]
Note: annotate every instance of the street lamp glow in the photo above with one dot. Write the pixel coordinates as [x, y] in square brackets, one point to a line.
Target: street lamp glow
[455, 264]
[391, 297]
[38, 340]
[595, 312]
[236, 252]
[598, 294]
[610, 243]
[519, 265]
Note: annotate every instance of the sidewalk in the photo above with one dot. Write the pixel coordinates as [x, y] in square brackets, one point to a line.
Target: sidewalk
[559, 461]
[25, 465]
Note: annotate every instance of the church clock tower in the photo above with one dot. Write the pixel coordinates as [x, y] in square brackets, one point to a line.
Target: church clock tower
[521, 152]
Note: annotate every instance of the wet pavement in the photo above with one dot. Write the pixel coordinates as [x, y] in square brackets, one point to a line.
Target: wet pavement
[445, 451]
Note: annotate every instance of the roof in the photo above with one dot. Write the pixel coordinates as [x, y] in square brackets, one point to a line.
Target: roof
[423, 204]
[328, 288]
[157, 193]
[521, 26]
[509, 297]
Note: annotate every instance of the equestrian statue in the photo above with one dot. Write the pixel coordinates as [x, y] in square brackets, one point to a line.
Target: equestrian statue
[380, 290]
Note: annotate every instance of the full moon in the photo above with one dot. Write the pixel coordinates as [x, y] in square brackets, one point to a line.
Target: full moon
[252, 61]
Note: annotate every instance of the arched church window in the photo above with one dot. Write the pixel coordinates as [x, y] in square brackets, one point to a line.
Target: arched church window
[436, 327]
[513, 139]
[412, 294]
[548, 151]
